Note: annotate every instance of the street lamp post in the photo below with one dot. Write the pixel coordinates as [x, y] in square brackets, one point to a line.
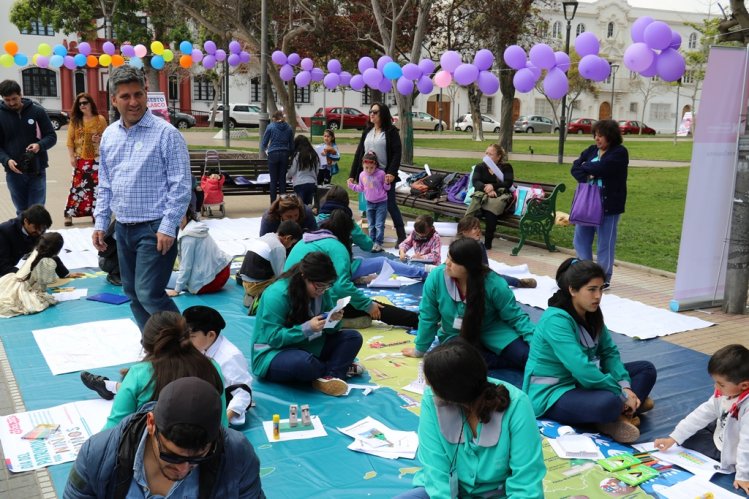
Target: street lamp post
[569, 8]
[614, 69]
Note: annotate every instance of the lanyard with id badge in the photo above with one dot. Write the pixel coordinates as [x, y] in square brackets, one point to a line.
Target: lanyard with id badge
[460, 310]
[589, 343]
[454, 487]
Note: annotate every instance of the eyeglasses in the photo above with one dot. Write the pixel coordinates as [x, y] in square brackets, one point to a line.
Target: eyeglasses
[176, 459]
[83, 103]
[322, 286]
[374, 111]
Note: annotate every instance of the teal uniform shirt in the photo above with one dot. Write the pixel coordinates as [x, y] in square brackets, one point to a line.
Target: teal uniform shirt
[272, 335]
[504, 321]
[563, 356]
[504, 460]
[357, 236]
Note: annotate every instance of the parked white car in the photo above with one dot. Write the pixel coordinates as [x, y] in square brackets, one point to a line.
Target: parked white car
[488, 124]
[425, 121]
[239, 115]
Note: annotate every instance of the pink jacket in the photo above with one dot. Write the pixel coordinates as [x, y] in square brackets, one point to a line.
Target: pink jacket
[213, 189]
[431, 249]
[373, 186]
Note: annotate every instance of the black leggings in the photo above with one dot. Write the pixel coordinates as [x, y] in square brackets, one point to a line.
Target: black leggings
[491, 227]
[389, 314]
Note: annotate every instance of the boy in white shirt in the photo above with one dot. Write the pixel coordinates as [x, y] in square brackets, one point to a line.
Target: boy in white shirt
[719, 428]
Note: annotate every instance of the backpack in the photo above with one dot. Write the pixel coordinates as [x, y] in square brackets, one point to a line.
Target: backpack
[447, 182]
[429, 186]
[456, 193]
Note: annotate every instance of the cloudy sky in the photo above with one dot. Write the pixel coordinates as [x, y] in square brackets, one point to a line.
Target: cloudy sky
[681, 5]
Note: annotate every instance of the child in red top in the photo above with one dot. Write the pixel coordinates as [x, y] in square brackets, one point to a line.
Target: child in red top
[213, 187]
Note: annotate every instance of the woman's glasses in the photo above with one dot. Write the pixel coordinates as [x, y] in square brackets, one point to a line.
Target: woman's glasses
[321, 287]
[374, 111]
[83, 103]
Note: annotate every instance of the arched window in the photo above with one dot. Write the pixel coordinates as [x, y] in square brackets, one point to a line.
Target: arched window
[693, 41]
[556, 30]
[39, 82]
[580, 29]
[610, 31]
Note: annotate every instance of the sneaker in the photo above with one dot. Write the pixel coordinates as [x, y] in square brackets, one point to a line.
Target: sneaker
[96, 383]
[114, 279]
[646, 405]
[621, 430]
[377, 248]
[355, 369]
[527, 282]
[330, 386]
[362, 322]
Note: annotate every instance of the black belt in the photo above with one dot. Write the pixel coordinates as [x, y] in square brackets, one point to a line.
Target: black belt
[129, 224]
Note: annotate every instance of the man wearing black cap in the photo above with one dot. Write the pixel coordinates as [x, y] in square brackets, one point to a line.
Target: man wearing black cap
[174, 447]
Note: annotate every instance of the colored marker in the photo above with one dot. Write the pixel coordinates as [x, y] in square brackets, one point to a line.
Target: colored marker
[276, 427]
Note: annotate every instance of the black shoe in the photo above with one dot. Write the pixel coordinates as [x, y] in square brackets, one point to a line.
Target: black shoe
[114, 279]
[96, 383]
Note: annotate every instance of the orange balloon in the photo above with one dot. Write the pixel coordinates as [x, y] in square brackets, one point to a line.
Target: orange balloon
[185, 61]
[117, 60]
[11, 47]
[92, 61]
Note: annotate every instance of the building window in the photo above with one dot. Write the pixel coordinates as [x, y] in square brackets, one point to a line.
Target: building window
[173, 89]
[688, 77]
[556, 30]
[660, 111]
[693, 41]
[580, 29]
[542, 107]
[39, 82]
[632, 107]
[489, 105]
[302, 95]
[202, 88]
[39, 28]
[610, 31]
[255, 90]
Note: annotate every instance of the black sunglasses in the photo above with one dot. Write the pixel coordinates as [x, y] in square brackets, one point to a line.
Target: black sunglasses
[175, 459]
[83, 103]
[374, 111]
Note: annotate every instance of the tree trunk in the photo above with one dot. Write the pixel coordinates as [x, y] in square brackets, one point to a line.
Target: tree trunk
[474, 101]
[508, 96]
[405, 103]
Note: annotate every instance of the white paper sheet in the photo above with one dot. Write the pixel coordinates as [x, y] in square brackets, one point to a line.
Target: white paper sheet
[77, 420]
[572, 446]
[314, 431]
[494, 168]
[340, 305]
[691, 460]
[69, 294]
[696, 487]
[373, 437]
[89, 345]
[387, 279]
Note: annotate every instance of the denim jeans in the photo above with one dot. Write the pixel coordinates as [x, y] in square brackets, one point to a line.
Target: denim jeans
[374, 266]
[26, 190]
[579, 406]
[339, 352]
[415, 493]
[606, 246]
[376, 213]
[144, 271]
[278, 163]
[513, 356]
[306, 192]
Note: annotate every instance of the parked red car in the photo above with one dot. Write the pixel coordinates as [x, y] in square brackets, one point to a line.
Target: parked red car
[633, 128]
[349, 116]
[581, 126]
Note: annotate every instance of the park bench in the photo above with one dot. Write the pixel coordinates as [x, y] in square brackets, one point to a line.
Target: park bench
[242, 168]
[538, 219]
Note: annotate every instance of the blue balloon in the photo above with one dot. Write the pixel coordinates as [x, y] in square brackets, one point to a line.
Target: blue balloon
[21, 60]
[135, 62]
[80, 60]
[392, 71]
[56, 61]
[185, 47]
[60, 50]
[157, 62]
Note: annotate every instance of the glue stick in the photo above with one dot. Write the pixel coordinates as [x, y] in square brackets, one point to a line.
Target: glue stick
[276, 427]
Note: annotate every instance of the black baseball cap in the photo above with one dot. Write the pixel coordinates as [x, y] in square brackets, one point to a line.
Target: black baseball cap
[191, 401]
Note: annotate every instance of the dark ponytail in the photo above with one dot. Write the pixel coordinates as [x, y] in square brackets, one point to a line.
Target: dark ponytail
[467, 252]
[340, 224]
[49, 245]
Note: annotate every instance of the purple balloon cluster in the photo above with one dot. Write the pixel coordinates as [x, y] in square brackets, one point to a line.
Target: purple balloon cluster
[213, 55]
[308, 74]
[591, 66]
[655, 50]
[528, 72]
[454, 69]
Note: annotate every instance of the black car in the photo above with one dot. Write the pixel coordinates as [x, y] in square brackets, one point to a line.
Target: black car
[58, 118]
[181, 120]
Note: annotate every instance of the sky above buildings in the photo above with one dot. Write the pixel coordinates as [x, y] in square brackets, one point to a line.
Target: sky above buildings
[680, 5]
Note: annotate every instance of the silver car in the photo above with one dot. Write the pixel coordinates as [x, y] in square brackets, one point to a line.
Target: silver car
[531, 124]
[488, 124]
[425, 121]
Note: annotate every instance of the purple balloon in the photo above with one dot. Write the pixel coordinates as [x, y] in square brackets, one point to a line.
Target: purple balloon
[405, 86]
[675, 40]
[587, 66]
[293, 59]
[69, 62]
[108, 48]
[372, 77]
[587, 44]
[365, 63]
[542, 56]
[210, 47]
[425, 85]
[302, 78]
[450, 61]
[331, 80]
[637, 31]
[286, 72]
[556, 84]
[563, 60]
[220, 55]
[317, 74]
[209, 61]
[235, 47]
[483, 59]
[244, 57]
[465, 74]
[411, 71]
[427, 68]
[533, 69]
[278, 57]
[601, 69]
[638, 57]
[487, 83]
[83, 47]
[42, 61]
[197, 55]
[357, 82]
[671, 65]
[127, 50]
[345, 78]
[657, 35]
[334, 66]
[382, 61]
[524, 81]
[652, 70]
[233, 60]
[515, 57]
[307, 64]
[385, 86]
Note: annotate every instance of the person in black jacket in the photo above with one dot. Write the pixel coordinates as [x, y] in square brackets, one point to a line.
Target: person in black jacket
[26, 133]
[607, 161]
[383, 138]
[18, 237]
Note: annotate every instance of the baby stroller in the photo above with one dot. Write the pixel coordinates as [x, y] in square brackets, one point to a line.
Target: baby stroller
[212, 183]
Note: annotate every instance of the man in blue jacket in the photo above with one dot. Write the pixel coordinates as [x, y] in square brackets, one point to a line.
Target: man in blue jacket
[173, 447]
[26, 133]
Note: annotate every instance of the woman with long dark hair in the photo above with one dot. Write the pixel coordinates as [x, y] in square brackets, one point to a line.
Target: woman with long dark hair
[170, 355]
[477, 435]
[382, 137]
[464, 298]
[574, 373]
[287, 207]
[291, 342]
[303, 171]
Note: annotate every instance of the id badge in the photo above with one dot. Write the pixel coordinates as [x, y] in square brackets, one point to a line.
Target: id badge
[454, 485]
[458, 322]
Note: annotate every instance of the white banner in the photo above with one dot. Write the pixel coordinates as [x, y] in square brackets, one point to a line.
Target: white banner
[700, 274]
